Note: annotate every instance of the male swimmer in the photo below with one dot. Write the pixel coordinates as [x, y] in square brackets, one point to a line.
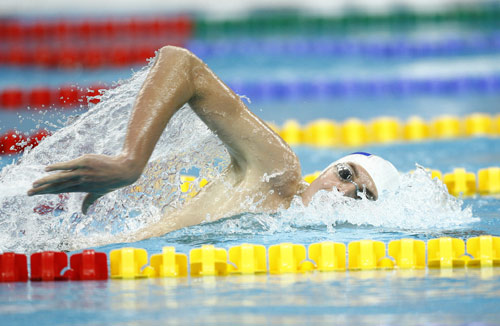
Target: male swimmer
[263, 168]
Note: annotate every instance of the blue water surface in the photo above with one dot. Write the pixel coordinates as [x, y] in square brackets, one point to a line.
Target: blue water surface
[416, 297]
[441, 297]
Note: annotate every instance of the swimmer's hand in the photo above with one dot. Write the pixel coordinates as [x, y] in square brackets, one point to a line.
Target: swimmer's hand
[95, 174]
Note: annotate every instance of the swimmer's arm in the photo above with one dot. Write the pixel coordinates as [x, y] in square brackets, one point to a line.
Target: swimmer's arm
[178, 77]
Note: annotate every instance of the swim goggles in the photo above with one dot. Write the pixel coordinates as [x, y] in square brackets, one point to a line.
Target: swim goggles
[346, 174]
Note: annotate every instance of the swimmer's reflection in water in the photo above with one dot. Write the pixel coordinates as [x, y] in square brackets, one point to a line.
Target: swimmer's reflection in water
[261, 162]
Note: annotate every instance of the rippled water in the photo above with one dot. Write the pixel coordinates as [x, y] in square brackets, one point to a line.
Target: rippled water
[55, 222]
[421, 208]
[357, 298]
[47, 222]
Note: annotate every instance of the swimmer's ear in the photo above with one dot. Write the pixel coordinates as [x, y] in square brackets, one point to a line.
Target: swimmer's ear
[89, 200]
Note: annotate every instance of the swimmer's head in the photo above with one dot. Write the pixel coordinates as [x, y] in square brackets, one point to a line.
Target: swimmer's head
[354, 174]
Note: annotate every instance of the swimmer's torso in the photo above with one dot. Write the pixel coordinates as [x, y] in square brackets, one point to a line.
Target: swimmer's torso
[232, 194]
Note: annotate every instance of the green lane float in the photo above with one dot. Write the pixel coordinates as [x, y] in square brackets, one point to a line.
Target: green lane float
[296, 22]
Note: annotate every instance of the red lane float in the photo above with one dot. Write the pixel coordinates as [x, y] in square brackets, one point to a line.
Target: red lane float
[47, 266]
[12, 98]
[88, 265]
[13, 267]
[68, 96]
[40, 97]
[91, 56]
[135, 27]
[13, 142]
[44, 97]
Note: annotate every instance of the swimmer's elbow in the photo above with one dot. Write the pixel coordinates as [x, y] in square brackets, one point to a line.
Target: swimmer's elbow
[184, 61]
[180, 54]
[171, 49]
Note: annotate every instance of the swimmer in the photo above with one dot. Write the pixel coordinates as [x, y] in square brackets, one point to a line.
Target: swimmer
[262, 165]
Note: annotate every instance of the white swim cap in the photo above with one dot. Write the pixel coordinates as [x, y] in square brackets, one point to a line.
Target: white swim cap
[383, 173]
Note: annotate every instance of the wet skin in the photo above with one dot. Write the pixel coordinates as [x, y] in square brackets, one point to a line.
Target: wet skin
[264, 173]
[330, 179]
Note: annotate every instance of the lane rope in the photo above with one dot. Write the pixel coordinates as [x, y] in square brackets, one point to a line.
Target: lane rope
[293, 23]
[249, 259]
[399, 48]
[459, 182]
[354, 132]
[326, 133]
[14, 98]
[95, 55]
[91, 56]
[14, 29]
[81, 29]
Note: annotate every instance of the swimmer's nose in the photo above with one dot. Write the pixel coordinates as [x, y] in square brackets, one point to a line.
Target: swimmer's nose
[348, 189]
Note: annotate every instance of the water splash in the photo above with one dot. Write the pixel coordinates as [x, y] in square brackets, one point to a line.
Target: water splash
[30, 224]
[419, 204]
[45, 222]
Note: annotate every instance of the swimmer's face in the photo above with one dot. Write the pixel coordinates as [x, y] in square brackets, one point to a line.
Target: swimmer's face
[349, 178]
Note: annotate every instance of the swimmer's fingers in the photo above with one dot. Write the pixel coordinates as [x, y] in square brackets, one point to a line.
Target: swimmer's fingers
[56, 178]
[89, 200]
[56, 188]
[69, 165]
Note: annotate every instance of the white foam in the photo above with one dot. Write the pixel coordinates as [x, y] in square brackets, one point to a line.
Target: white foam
[101, 130]
[55, 222]
[420, 204]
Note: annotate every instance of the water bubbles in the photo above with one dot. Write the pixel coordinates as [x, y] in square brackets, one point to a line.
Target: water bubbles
[52, 222]
[55, 222]
[420, 204]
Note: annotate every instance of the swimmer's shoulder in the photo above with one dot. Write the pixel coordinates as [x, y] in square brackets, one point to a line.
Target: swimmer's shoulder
[284, 180]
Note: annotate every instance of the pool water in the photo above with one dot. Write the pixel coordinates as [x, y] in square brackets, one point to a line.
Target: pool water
[441, 297]
[444, 297]
[361, 298]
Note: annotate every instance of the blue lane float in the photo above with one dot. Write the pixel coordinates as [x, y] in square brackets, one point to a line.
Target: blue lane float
[46, 97]
[284, 89]
[328, 47]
